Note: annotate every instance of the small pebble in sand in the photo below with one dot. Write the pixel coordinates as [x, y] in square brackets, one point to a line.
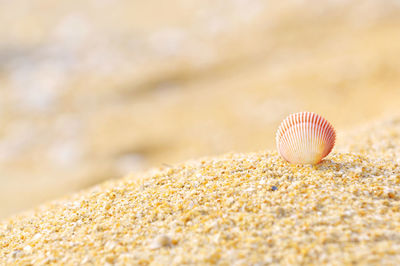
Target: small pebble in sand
[161, 241]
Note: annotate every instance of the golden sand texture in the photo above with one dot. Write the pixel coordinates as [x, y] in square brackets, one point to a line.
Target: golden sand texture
[92, 90]
[233, 210]
[379, 139]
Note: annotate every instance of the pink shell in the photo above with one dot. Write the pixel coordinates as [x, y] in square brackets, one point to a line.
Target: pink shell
[305, 138]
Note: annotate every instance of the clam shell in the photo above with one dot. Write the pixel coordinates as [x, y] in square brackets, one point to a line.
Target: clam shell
[305, 138]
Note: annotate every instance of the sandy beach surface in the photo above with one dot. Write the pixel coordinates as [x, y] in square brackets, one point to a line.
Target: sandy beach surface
[130, 129]
[237, 209]
[86, 97]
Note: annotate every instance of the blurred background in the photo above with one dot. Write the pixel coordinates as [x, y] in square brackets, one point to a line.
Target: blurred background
[92, 90]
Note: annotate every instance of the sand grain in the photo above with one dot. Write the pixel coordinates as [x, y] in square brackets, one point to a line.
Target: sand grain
[235, 209]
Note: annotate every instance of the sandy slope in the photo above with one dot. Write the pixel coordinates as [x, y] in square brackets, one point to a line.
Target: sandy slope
[234, 209]
[91, 90]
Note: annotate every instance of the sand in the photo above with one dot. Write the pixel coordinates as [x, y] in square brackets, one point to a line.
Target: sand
[379, 138]
[141, 85]
[93, 90]
[236, 209]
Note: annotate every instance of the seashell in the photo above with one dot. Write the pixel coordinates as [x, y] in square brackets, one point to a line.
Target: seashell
[305, 138]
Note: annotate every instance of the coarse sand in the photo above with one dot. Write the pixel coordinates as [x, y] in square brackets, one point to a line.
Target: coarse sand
[233, 210]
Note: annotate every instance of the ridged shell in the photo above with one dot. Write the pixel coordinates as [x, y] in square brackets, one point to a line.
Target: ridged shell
[305, 138]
